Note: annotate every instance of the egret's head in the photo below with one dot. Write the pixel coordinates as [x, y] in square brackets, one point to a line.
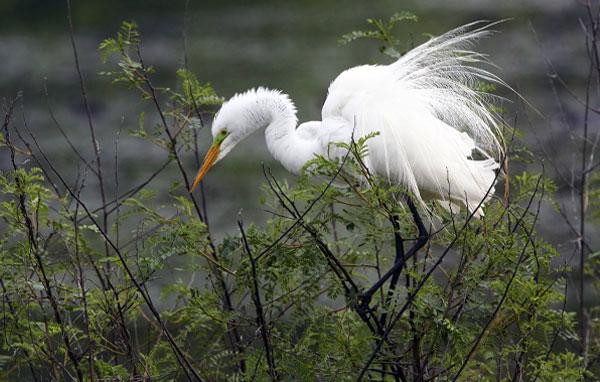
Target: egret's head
[239, 117]
[229, 127]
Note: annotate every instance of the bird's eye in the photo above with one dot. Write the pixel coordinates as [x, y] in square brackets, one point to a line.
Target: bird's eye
[221, 136]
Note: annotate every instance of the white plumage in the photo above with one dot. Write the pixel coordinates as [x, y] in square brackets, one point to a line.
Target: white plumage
[437, 134]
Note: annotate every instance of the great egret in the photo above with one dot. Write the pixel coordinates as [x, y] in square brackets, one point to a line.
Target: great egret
[437, 135]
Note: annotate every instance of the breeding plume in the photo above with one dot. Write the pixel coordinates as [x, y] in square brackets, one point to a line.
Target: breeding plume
[437, 135]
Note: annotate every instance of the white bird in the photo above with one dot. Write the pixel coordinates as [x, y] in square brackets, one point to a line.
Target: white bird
[437, 133]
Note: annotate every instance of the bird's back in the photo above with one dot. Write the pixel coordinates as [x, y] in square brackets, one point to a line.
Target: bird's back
[436, 133]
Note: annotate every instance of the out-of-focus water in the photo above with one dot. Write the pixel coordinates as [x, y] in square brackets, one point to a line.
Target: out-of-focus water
[293, 47]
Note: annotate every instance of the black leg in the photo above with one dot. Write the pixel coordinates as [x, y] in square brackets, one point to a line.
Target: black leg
[364, 299]
[399, 244]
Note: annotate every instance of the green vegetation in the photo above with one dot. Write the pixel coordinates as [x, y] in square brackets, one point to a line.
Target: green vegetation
[137, 290]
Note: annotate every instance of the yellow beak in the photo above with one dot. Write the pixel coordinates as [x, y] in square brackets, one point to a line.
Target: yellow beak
[209, 160]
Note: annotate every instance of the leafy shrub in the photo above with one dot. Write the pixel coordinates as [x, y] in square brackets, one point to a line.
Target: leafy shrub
[472, 299]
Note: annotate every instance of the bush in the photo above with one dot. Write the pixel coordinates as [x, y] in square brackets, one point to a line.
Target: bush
[472, 299]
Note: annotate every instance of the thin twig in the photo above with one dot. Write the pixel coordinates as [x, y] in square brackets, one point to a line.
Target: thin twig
[260, 316]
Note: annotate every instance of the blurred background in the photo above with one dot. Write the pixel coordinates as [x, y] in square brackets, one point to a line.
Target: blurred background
[292, 46]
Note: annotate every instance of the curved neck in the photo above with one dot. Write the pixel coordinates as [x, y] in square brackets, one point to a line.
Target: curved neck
[276, 112]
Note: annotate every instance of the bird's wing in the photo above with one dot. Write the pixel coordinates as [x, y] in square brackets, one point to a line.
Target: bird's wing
[432, 124]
